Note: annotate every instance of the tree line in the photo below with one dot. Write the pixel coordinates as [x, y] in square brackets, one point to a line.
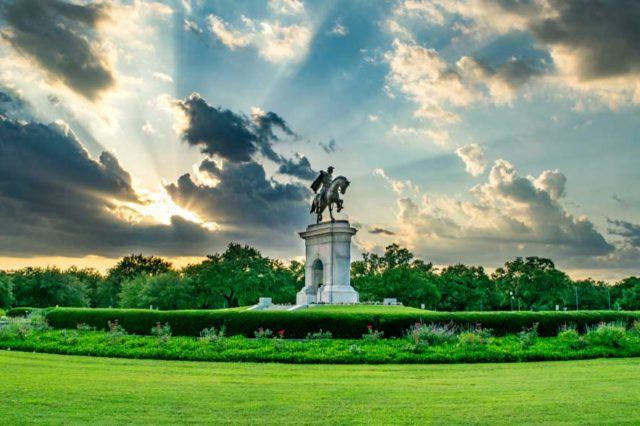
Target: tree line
[241, 274]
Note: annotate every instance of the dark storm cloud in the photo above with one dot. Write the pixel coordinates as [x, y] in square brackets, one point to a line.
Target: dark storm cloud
[378, 230]
[627, 230]
[299, 167]
[514, 72]
[604, 35]
[56, 200]
[329, 147]
[58, 36]
[231, 136]
[244, 197]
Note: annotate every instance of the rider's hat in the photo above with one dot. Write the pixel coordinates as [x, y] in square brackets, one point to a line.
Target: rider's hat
[330, 168]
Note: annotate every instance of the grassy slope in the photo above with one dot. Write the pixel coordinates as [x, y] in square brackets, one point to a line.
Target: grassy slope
[62, 389]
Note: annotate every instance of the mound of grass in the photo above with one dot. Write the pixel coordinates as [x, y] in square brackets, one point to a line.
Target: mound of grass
[340, 321]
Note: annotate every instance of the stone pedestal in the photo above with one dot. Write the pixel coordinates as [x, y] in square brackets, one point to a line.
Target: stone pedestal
[328, 264]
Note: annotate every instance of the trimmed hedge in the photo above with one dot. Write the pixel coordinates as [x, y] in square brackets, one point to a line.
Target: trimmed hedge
[22, 311]
[341, 324]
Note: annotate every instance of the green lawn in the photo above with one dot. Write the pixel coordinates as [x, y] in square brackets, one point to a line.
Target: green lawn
[59, 389]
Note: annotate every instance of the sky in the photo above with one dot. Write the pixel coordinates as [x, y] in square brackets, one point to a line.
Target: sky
[472, 131]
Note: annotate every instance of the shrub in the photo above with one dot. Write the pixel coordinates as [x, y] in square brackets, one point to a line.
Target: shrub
[2, 313]
[635, 329]
[212, 335]
[474, 337]
[606, 334]
[319, 335]
[116, 332]
[263, 333]
[20, 312]
[372, 334]
[528, 336]
[162, 332]
[342, 324]
[84, 327]
[431, 334]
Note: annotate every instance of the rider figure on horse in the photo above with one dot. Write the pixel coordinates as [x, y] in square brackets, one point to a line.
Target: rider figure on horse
[322, 183]
[327, 191]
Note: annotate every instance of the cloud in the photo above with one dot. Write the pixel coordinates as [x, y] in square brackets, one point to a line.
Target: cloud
[61, 38]
[192, 26]
[627, 230]
[328, 147]
[437, 86]
[398, 186]
[165, 78]
[243, 200]
[57, 200]
[377, 230]
[298, 167]
[507, 213]
[233, 137]
[287, 7]
[473, 157]
[594, 45]
[439, 137]
[373, 118]
[275, 42]
[339, 30]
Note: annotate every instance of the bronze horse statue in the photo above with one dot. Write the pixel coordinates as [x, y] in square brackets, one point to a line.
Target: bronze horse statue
[329, 197]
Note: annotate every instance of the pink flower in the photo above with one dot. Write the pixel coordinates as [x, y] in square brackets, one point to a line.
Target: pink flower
[281, 333]
[370, 327]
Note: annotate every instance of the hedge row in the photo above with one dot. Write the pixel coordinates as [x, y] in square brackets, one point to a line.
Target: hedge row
[22, 311]
[341, 324]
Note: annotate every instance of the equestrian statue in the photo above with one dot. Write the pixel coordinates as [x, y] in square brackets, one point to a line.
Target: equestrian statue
[327, 192]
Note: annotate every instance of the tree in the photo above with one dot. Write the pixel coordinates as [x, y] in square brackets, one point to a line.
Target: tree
[44, 287]
[128, 267]
[395, 274]
[629, 293]
[6, 291]
[92, 281]
[533, 283]
[592, 294]
[238, 277]
[164, 291]
[467, 288]
[622, 293]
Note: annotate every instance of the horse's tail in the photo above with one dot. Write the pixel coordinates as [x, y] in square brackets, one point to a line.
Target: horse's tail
[313, 205]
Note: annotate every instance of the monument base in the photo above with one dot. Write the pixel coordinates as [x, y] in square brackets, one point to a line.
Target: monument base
[327, 265]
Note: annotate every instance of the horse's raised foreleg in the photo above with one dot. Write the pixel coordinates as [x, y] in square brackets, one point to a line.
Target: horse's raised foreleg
[339, 204]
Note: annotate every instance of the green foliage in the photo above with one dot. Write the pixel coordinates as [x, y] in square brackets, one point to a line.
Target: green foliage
[162, 332]
[395, 274]
[475, 345]
[533, 283]
[319, 335]
[528, 336]
[372, 334]
[44, 287]
[431, 334]
[467, 288]
[606, 334]
[129, 267]
[239, 276]
[263, 333]
[165, 291]
[342, 323]
[6, 291]
[2, 313]
[474, 337]
[213, 335]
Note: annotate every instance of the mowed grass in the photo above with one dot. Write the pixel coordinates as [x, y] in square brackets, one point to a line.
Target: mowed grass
[58, 389]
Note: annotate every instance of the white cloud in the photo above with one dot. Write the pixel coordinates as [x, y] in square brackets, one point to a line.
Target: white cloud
[274, 42]
[398, 186]
[473, 157]
[506, 212]
[373, 117]
[287, 7]
[439, 137]
[339, 30]
[163, 77]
